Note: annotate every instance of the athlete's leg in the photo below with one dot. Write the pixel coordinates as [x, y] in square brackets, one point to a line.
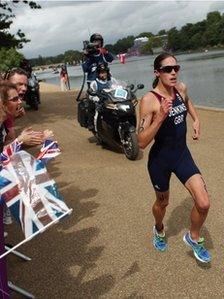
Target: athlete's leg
[160, 178]
[159, 209]
[197, 188]
[190, 176]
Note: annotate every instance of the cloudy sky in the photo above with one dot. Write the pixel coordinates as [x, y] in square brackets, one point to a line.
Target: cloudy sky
[63, 25]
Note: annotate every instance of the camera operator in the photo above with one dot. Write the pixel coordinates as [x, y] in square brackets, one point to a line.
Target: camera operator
[95, 54]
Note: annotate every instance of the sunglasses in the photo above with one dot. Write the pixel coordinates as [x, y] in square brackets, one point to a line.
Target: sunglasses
[14, 99]
[169, 68]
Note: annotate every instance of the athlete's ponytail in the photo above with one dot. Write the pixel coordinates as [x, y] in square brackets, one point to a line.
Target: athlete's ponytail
[155, 82]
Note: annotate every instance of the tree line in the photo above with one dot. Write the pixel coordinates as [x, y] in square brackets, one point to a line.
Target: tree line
[10, 43]
[206, 33]
[200, 35]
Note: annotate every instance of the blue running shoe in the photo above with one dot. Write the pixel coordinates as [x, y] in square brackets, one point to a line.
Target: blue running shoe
[159, 241]
[201, 254]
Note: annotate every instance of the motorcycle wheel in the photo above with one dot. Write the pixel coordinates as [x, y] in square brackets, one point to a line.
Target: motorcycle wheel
[130, 145]
[98, 139]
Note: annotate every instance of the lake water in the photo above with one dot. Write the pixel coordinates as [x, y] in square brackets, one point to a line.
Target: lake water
[202, 72]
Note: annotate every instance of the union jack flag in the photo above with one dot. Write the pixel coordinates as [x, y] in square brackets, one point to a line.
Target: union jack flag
[30, 194]
[9, 150]
[48, 151]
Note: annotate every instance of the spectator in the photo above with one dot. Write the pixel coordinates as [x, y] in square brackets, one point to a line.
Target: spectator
[18, 77]
[103, 81]
[9, 107]
[64, 78]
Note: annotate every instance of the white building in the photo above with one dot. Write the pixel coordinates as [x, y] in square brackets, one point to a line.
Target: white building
[140, 41]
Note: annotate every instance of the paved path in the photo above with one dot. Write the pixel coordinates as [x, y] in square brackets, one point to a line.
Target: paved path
[104, 250]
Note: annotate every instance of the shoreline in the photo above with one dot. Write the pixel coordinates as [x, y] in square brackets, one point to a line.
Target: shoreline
[48, 87]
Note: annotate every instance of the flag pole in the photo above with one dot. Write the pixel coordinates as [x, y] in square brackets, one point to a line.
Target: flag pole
[36, 233]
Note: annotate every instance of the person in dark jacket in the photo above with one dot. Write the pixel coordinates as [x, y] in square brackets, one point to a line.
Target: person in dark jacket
[95, 54]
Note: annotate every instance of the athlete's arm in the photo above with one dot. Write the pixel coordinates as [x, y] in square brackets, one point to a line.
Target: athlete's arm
[151, 117]
[193, 113]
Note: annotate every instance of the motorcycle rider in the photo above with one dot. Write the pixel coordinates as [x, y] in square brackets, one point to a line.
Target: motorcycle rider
[95, 54]
[102, 81]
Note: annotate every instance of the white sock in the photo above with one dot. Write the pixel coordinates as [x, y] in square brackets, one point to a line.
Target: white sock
[192, 239]
[161, 234]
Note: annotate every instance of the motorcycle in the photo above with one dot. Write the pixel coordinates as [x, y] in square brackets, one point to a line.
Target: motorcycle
[115, 117]
[32, 97]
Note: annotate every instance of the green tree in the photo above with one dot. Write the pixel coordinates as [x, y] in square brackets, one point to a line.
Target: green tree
[9, 58]
[157, 42]
[162, 32]
[208, 32]
[221, 29]
[214, 31]
[146, 49]
[70, 56]
[195, 41]
[7, 39]
[122, 45]
[174, 40]
[213, 17]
